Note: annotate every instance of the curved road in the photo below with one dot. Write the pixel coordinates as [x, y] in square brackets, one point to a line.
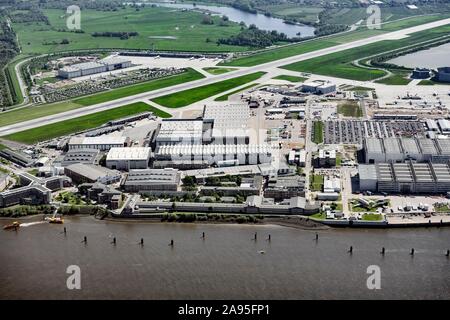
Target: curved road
[262, 67]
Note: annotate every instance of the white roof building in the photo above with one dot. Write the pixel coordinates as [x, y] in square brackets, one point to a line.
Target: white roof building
[128, 158]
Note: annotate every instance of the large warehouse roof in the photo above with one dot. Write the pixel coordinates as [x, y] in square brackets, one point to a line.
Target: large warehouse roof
[133, 153]
[174, 130]
[153, 176]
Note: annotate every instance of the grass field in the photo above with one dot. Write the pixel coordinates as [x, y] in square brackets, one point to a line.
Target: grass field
[317, 44]
[372, 217]
[316, 182]
[160, 113]
[340, 64]
[77, 124]
[225, 96]
[426, 83]
[29, 113]
[318, 132]
[350, 109]
[216, 71]
[159, 28]
[290, 78]
[395, 79]
[187, 97]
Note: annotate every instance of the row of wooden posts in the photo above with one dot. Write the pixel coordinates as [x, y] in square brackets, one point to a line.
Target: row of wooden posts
[255, 237]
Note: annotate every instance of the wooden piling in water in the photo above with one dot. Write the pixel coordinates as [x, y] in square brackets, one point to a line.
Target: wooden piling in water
[382, 251]
[142, 242]
[256, 236]
[317, 236]
[448, 253]
[171, 243]
[65, 231]
[269, 238]
[85, 239]
[350, 250]
[203, 236]
[114, 241]
[412, 252]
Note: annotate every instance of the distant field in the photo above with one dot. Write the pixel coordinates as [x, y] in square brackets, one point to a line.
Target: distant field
[215, 71]
[29, 113]
[187, 97]
[188, 33]
[77, 124]
[226, 96]
[317, 44]
[290, 78]
[340, 64]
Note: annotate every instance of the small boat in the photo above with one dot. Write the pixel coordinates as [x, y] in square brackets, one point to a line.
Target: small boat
[56, 220]
[13, 225]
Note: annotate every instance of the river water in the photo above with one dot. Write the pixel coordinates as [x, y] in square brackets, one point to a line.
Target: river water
[228, 264]
[431, 58]
[260, 20]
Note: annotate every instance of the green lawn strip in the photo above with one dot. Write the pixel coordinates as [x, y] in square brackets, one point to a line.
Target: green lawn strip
[225, 96]
[216, 71]
[426, 83]
[187, 97]
[77, 124]
[339, 64]
[372, 217]
[290, 78]
[350, 109]
[318, 132]
[14, 86]
[395, 79]
[189, 75]
[359, 88]
[29, 113]
[159, 112]
[316, 183]
[320, 215]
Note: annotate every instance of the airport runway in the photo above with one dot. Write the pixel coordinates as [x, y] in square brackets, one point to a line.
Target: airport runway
[267, 67]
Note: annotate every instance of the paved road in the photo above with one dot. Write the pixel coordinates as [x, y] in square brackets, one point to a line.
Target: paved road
[268, 67]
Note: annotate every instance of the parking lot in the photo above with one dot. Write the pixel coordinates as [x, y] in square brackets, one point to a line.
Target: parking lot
[353, 132]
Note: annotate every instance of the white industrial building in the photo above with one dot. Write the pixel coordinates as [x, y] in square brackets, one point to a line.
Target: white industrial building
[318, 87]
[102, 143]
[408, 177]
[220, 125]
[128, 158]
[217, 154]
[93, 67]
[166, 179]
[401, 149]
[173, 132]
[229, 123]
[444, 125]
